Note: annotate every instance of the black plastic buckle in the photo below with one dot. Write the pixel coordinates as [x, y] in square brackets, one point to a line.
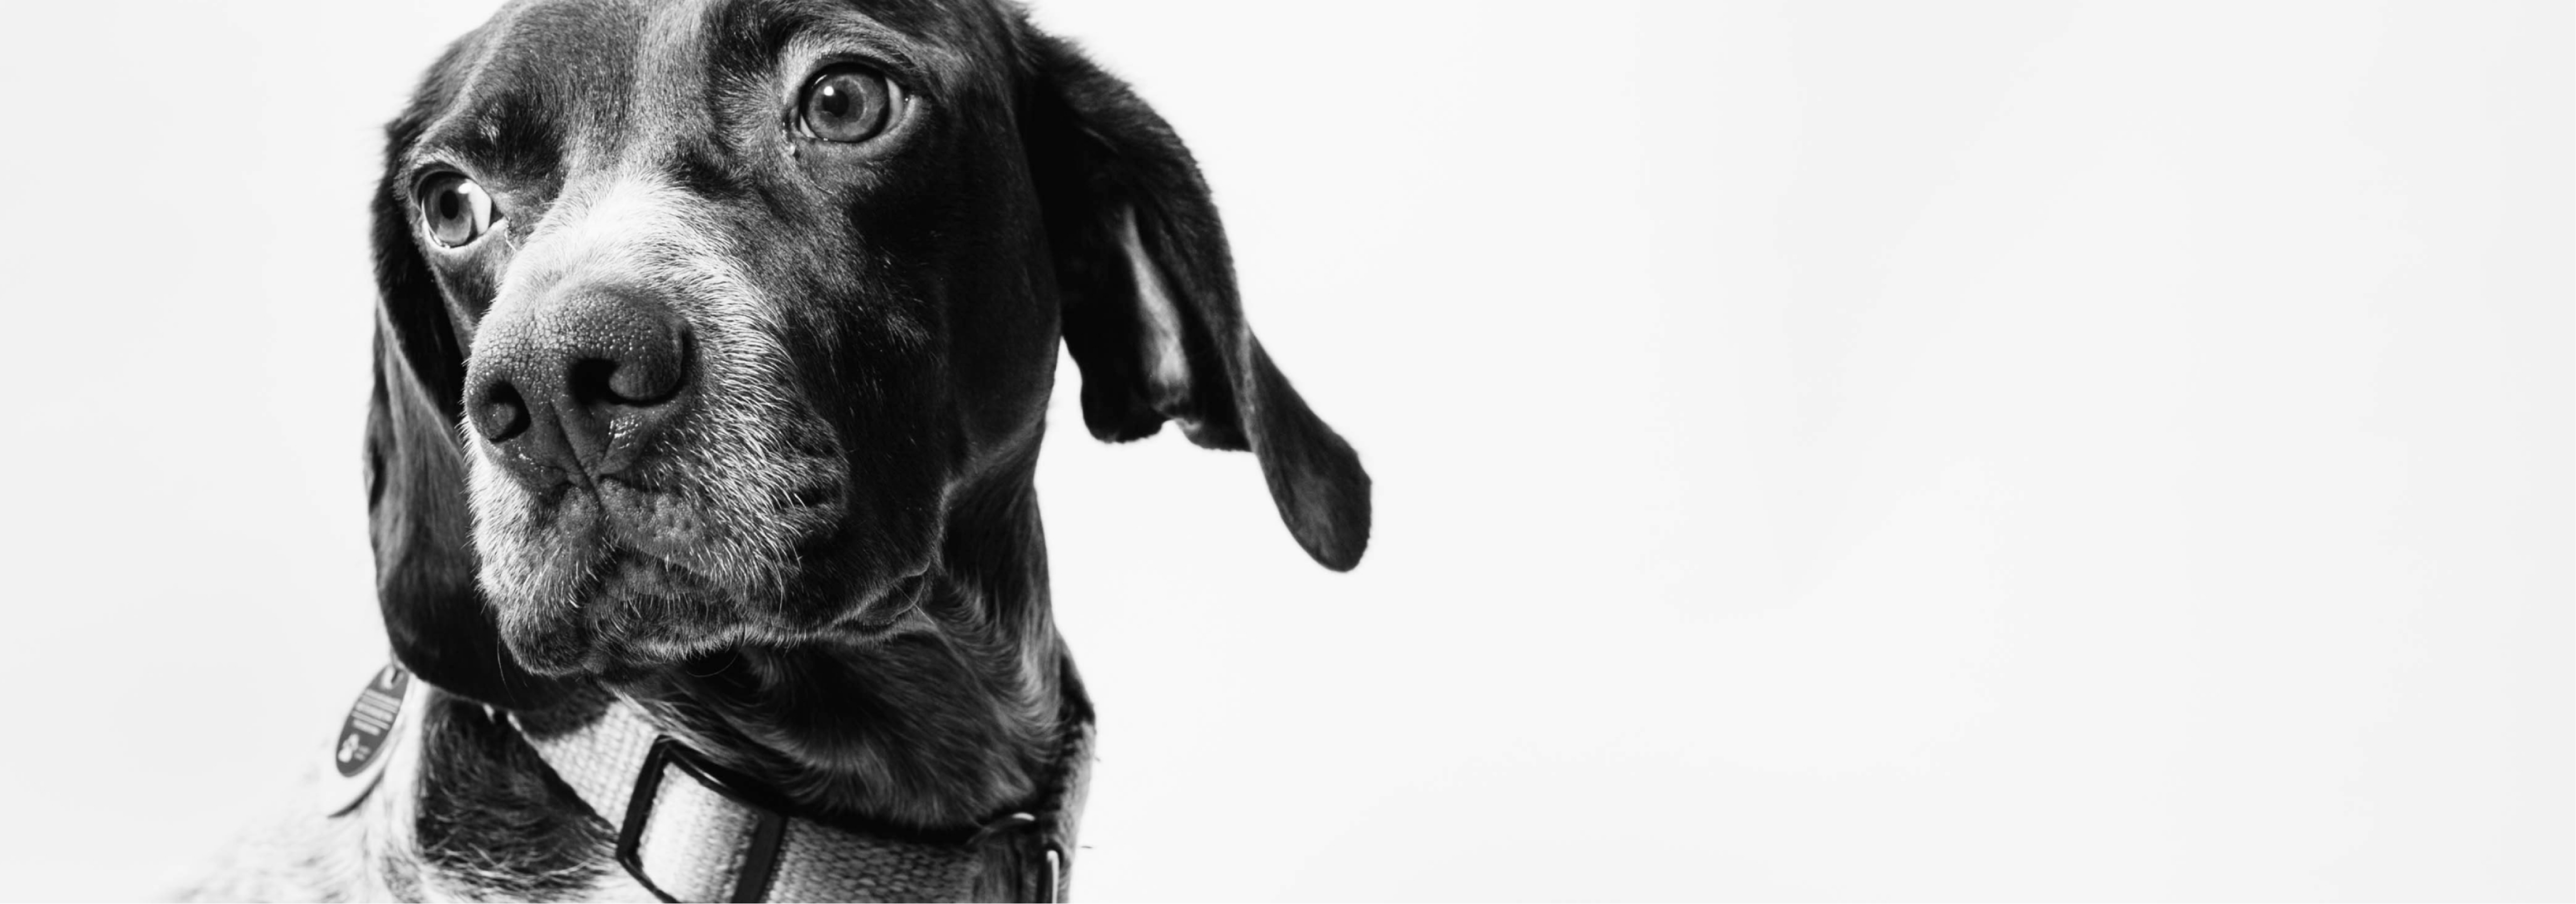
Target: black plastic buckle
[768, 838]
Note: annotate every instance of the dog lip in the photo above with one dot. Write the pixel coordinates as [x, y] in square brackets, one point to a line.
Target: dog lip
[648, 520]
[599, 631]
[630, 571]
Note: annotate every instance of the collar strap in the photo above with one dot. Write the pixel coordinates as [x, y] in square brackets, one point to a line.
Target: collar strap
[687, 834]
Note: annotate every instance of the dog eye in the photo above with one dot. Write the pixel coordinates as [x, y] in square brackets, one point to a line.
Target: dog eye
[849, 105]
[454, 209]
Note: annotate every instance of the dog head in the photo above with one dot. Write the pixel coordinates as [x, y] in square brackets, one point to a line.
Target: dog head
[696, 319]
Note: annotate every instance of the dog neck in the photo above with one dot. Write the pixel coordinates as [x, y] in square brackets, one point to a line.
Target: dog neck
[943, 723]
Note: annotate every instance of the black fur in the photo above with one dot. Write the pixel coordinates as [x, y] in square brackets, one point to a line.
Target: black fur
[1100, 152]
[908, 673]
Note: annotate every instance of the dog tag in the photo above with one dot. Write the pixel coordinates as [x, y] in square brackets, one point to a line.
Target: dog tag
[367, 738]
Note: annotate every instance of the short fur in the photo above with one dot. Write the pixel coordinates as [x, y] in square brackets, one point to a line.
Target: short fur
[828, 574]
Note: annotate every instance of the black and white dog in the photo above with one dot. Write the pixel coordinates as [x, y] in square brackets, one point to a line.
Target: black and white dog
[714, 343]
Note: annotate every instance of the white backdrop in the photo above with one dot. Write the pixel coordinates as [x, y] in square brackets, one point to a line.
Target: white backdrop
[1901, 450]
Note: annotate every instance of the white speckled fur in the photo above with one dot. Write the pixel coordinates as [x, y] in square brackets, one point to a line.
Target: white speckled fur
[728, 457]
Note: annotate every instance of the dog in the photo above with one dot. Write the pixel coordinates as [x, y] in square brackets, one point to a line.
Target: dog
[714, 342]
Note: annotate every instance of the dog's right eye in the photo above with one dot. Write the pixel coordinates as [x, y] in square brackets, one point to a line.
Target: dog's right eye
[454, 209]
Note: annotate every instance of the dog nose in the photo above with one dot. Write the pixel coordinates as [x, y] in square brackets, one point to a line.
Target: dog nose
[575, 388]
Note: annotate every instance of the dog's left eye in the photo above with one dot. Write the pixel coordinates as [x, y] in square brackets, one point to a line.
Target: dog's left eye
[849, 104]
[454, 209]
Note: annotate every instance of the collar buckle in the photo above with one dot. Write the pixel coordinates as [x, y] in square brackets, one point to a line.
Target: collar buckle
[760, 860]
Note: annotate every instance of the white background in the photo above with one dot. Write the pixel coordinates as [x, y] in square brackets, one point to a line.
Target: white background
[1905, 450]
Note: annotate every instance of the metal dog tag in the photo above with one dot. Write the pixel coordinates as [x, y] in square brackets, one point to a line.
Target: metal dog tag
[366, 740]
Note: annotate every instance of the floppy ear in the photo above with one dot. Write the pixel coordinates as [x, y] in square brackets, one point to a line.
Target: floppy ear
[1150, 311]
[416, 503]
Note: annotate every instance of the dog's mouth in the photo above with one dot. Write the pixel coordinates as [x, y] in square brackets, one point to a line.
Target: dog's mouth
[629, 572]
[657, 520]
[628, 609]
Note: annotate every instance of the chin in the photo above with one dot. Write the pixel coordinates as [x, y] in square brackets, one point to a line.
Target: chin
[635, 572]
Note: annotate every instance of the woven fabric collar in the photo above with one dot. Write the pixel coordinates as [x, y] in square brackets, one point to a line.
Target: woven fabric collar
[688, 837]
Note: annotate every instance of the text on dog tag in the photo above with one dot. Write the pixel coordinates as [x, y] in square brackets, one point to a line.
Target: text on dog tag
[370, 721]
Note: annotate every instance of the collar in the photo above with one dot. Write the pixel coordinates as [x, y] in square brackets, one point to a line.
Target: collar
[688, 832]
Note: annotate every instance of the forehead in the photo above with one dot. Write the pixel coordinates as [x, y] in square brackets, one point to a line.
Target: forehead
[572, 73]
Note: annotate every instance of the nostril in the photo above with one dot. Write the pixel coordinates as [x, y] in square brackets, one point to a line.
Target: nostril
[647, 376]
[501, 414]
[644, 382]
[589, 380]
